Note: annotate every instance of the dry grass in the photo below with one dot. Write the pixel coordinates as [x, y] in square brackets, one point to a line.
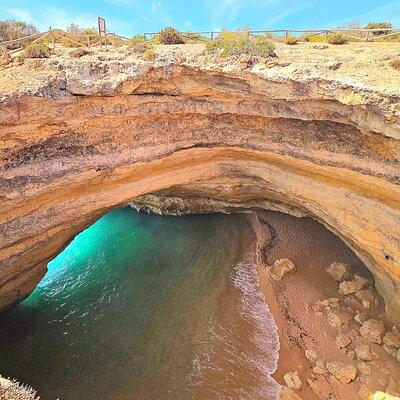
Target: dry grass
[12, 390]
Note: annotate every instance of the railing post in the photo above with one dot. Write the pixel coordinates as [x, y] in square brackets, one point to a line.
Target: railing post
[326, 35]
[367, 36]
[53, 42]
[286, 35]
[212, 35]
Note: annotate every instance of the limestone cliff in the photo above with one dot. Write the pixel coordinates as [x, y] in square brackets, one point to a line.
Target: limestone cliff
[91, 136]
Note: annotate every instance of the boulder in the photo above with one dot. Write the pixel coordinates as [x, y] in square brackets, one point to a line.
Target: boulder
[288, 394]
[311, 354]
[350, 287]
[319, 367]
[292, 380]
[363, 353]
[391, 339]
[391, 350]
[338, 271]
[343, 340]
[366, 295]
[281, 268]
[339, 318]
[345, 373]
[365, 369]
[373, 330]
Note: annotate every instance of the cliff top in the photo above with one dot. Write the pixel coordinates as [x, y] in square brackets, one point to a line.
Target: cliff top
[364, 66]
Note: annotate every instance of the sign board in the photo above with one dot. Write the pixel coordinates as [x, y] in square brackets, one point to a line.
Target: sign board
[102, 26]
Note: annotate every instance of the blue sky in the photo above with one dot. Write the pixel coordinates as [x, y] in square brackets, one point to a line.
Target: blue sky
[128, 17]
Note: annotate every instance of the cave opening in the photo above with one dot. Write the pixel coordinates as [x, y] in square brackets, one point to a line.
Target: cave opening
[149, 306]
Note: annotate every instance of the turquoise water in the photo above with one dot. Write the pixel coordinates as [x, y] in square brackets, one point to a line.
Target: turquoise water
[146, 307]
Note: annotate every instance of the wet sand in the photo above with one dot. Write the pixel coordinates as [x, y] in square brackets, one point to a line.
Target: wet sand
[312, 248]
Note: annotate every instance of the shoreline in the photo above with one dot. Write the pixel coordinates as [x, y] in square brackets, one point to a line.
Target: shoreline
[291, 301]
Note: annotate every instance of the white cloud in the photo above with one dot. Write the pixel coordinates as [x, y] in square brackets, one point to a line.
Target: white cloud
[386, 13]
[226, 11]
[287, 13]
[22, 15]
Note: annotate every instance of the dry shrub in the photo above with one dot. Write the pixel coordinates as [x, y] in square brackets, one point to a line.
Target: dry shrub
[170, 36]
[337, 39]
[395, 63]
[12, 390]
[292, 40]
[36, 50]
[78, 53]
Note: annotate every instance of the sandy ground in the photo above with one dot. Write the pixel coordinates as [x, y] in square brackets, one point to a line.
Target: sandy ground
[360, 65]
[313, 248]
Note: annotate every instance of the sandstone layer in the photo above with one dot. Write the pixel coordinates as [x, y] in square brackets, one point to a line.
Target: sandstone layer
[92, 136]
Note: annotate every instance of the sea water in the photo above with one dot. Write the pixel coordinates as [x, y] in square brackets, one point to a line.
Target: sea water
[146, 307]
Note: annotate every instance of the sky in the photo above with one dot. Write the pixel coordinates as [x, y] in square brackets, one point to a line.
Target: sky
[130, 17]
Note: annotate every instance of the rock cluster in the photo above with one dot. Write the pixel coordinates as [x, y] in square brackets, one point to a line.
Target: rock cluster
[281, 268]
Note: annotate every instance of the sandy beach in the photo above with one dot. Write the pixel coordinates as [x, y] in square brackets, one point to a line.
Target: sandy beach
[312, 248]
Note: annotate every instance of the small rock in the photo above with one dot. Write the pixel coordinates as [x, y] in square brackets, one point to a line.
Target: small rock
[391, 339]
[338, 271]
[365, 393]
[335, 66]
[351, 354]
[366, 294]
[292, 380]
[393, 387]
[311, 355]
[373, 330]
[364, 368]
[332, 302]
[345, 373]
[366, 304]
[343, 340]
[338, 318]
[361, 318]
[391, 350]
[281, 268]
[363, 353]
[396, 331]
[319, 367]
[354, 286]
[288, 394]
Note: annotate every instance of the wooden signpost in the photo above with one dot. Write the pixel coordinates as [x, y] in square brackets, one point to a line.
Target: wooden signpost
[102, 31]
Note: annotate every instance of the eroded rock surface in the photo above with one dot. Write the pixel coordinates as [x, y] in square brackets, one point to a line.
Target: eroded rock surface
[183, 138]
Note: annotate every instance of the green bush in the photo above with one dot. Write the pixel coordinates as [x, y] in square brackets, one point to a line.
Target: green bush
[292, 40]
[237, 43]
[170, 36]
[136, 40]
[313, 38]
[337, 38]
[149, 54]
[385, 26]
[35, 50]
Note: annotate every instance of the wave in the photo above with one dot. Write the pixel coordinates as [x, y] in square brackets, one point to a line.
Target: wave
[240, 353]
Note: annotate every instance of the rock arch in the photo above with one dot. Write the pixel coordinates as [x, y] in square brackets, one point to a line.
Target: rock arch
[222, 141]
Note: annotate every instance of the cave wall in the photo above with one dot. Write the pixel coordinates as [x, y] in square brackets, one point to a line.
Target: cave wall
[234, 140]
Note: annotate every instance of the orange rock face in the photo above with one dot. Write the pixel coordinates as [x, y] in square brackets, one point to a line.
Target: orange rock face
[184, 139]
